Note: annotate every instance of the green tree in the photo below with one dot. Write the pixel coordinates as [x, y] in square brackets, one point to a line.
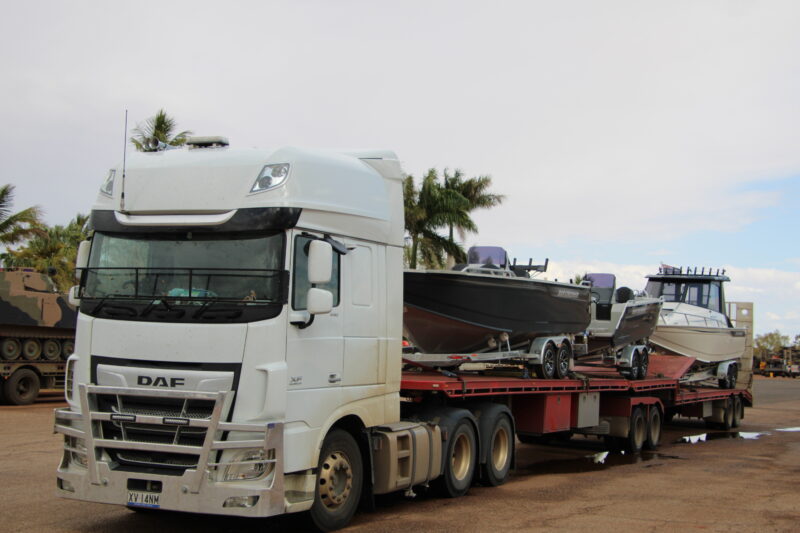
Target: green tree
[475, 190]
[15, 227]
[52, 251]
[156, 131]
[770, 343]
[428, 209]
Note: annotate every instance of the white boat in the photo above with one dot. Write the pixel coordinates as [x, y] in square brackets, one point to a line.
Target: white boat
[693, 322]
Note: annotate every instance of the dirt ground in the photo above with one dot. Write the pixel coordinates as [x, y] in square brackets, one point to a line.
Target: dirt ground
[734, 482]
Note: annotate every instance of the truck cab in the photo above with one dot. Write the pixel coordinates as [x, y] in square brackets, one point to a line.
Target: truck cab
[234, 305]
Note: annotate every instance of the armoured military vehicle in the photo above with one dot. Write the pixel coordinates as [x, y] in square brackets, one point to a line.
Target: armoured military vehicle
[37, 334]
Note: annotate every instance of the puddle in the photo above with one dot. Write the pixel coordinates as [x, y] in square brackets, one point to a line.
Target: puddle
[788, 429]
[592, 462]
[703, 437]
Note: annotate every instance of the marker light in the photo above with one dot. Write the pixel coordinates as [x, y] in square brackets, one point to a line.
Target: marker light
[108, 185]
[271, 176]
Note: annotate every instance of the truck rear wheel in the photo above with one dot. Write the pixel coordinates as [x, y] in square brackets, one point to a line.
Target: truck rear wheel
[340, 477]
[460, 459]
[499, 453]
[22, 387]
[638, 431]
[31, 349]
[51, 349]
[653, 428]
[10, 349]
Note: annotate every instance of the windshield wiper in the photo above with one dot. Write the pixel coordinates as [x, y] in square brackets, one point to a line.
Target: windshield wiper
[155, 302]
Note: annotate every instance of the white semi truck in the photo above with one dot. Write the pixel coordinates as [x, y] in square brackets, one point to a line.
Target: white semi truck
[239, 349]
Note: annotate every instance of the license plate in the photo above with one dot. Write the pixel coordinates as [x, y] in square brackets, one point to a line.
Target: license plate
[138, 498]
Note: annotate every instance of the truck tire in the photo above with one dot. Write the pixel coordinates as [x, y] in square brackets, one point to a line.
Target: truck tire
[547, 370]
[563, 356]
[10, 349]
[738, 411]
[22, 387]
[727, 416]
[653, 428]
[637, 434]
[459, 460]
[31, 349]
[51, 349]
[340, 478]
[499, 452]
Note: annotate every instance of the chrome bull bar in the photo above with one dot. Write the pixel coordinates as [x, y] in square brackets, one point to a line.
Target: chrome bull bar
[86, 425]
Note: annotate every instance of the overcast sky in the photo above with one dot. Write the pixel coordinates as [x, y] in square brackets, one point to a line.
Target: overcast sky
[623, 134]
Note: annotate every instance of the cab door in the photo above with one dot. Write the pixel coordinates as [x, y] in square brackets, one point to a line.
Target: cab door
[314, 354]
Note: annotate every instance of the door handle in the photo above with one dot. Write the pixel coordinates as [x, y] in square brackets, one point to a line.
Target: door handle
[334, 378]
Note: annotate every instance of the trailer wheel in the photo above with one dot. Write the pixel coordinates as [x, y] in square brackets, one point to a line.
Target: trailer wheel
[653, 428]
[22, 387]
[547, 369]
[563, 357]
[67, 349]
[644, 363]
[634, 371]
[729, 381]
[31, 349]
[459, 461]
[501, 449]
[738, 411]
[638, 431]
[51, 349]
[10, 349]
[339, 481]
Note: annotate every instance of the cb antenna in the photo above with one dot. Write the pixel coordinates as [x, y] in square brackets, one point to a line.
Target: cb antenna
[124, 156]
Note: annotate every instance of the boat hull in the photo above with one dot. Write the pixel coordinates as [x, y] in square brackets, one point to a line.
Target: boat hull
[457, 312]
[707, 344]
[636, 323]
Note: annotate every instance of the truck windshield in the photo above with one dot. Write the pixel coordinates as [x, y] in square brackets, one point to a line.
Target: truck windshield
[164, 271]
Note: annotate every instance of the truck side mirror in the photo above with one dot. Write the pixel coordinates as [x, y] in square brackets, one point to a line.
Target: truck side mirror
[319, 302]
[82, 259]
[320, 259]
[74, 296]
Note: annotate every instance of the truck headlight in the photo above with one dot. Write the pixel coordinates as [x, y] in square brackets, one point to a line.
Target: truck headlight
[250, 464]
[271, 176]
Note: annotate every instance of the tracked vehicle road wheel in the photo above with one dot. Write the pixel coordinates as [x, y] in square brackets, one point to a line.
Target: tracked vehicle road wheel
[51, 349]
[340, 477]
[10, 349]
[67, 349]
[31, 349]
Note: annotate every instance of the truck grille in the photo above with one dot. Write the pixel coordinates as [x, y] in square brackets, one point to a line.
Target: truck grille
[159, 433]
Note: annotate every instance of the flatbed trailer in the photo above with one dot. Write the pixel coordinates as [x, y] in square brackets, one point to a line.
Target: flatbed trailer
[628, 412]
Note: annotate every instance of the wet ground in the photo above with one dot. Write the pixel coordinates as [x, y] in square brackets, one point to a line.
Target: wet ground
[748, 480]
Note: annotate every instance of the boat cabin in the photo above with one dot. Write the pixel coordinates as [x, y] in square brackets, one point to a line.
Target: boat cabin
[605, 293]
[702, 290]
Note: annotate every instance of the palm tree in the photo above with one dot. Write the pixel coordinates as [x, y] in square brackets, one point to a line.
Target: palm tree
[428, 209]
[53, 251]
[474, 190]
[17, 226]
[157, 132]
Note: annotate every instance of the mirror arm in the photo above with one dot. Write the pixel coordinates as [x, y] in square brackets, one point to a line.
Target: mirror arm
[303, 325]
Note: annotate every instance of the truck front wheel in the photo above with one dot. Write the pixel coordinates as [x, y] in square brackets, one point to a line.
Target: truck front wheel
[340, 478]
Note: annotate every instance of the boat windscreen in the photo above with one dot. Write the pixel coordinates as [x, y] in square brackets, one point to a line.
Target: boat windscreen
[602, 281]
[485, 255]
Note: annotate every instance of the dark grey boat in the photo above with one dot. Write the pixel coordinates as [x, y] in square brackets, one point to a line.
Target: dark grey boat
[486, 303]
